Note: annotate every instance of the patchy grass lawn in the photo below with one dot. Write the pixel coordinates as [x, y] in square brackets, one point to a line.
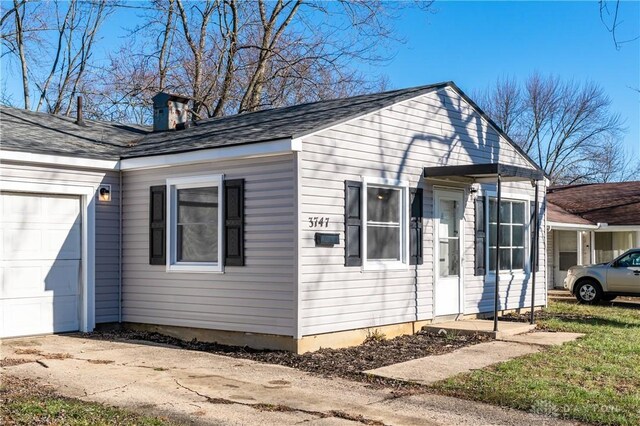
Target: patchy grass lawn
[594, 379]
[24, 402]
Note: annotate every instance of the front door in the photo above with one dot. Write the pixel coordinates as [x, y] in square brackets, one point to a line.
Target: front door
[566, 254]
[448, 269]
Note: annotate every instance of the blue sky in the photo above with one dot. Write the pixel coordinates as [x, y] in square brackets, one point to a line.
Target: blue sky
[474, 43]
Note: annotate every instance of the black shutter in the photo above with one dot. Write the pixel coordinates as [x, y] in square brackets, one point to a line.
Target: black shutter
[234, 222]
[158, 225]
[481, 237]
[352, 223]
[533, 232]
[415, 228]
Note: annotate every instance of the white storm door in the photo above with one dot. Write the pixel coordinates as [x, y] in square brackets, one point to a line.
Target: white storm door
[448, 270]
[40, 252]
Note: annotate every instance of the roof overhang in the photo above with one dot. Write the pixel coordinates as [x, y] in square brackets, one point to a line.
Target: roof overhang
[257, 149]
[59, 160]
[487, 172]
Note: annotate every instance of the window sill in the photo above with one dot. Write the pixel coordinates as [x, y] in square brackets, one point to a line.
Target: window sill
[384, 266]
[204, 268]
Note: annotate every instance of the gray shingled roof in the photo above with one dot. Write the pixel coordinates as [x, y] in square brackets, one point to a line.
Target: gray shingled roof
[272, 124]
[28, 131]
[42, 133]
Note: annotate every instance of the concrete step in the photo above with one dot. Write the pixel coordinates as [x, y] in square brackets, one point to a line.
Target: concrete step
[483, 327]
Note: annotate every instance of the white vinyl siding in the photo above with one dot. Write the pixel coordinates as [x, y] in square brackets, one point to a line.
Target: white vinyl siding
[258, 297]
[396, 143]
[107, 238]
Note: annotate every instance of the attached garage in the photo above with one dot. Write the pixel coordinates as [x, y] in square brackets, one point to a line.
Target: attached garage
[40, 263]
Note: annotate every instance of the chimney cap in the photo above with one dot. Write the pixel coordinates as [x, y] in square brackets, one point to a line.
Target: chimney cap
[165, 96]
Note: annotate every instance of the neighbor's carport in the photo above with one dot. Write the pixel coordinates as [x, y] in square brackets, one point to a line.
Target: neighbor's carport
[498, 173]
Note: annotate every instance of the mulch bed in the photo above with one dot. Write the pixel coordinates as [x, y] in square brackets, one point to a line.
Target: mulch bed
[348, 363]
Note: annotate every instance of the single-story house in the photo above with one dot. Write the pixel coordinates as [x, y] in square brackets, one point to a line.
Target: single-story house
[590, 223]
[292, 228]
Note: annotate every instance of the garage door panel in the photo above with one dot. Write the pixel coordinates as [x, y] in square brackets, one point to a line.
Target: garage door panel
[40, 252]
[21, 279]
[41, 242]
[40, 316]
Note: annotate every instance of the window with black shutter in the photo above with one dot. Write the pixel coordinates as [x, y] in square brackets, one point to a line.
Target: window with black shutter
[157, 225]
[353, 223]
[480, 237]
[415, 227]
[234, 222]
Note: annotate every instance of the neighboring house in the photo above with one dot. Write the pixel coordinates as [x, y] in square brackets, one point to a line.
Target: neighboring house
[592, 223]
[234, 229]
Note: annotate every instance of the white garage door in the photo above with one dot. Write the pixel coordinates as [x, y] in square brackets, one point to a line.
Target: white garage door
[40, 251]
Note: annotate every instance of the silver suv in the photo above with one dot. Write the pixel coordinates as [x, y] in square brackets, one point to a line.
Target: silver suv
[606, 281]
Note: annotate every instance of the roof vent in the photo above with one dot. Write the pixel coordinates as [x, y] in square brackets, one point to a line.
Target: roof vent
[170, 112]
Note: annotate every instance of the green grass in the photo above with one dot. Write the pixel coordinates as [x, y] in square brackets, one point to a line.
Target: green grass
[26, 403]
[594, 379]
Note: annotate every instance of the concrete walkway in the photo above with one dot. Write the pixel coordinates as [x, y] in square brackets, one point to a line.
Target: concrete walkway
[434, 368]
[202, 388]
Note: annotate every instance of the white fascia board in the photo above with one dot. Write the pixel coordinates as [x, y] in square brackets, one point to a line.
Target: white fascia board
[258, 149]
[570, 226]
[617, 228]
[59, 160]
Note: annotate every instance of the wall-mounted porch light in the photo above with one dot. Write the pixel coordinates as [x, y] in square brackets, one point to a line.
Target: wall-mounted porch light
[104, 193]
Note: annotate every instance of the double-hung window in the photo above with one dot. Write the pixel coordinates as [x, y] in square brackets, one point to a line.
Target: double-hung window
[386, 220]
[512, 234]
[195, 224]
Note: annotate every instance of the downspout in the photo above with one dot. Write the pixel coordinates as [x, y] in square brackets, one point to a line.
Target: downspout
[496, 300]
[534, 255]
[120, 250]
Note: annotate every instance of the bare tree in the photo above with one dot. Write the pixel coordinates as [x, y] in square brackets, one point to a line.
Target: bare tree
[560, 124]
[610, 162]
[611, 17]
[234, 56]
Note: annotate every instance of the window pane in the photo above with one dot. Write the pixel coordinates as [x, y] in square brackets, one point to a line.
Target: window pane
[518, 213]
[448, 219]
[492, 259]
[505, 212]
[383, 242]
[505, 235]
[518, 258]
[197, 243]
[197, 225]
[493, 217]
[493, 232]
[449, 258]
[198, 205]
[517, 233]
[505, 259]
[567, 260]
[383, 205]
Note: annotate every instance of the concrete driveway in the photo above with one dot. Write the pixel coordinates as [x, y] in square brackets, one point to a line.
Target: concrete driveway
[202, 388]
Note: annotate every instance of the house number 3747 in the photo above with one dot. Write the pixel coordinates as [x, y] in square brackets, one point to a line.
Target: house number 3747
[318, 222]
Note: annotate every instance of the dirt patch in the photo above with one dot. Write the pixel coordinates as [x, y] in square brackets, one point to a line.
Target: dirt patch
[21, 351]
[38, 352]
[9, 362]
[347, 363]
[100, 361]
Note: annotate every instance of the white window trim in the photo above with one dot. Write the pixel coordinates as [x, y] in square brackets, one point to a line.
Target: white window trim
[386, 265]
[200, 181]
[515, 273]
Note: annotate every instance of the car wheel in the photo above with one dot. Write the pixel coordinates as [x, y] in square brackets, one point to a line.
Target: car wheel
[608, 297]
[588, 292]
